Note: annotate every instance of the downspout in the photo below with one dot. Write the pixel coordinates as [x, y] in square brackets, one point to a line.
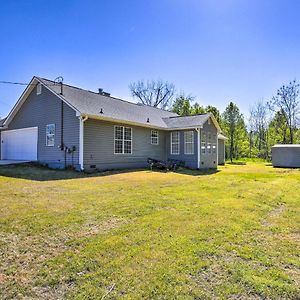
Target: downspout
[217, 150]
[62, 126]
[198, 147]
[62, 146]
[81, 141]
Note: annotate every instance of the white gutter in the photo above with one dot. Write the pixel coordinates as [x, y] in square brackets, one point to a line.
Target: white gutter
[198, 148]
[217, 143]
[81, 140]
[146, 125]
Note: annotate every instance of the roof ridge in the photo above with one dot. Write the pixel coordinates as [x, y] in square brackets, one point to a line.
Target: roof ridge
[126, 101]
[194, 115]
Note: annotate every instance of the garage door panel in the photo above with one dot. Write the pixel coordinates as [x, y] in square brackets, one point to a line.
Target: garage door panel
[20, 144]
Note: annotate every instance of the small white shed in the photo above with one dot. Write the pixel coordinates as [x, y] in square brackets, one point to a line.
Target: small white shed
[286, 156]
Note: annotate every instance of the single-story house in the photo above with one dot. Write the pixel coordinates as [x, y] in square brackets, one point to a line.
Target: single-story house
[62, 125]
[286, 156]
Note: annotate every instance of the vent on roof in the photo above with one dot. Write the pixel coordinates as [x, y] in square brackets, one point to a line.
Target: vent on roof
[101, 92]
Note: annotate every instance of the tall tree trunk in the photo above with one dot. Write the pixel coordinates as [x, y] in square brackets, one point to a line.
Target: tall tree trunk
[231, 146]
[291, 134]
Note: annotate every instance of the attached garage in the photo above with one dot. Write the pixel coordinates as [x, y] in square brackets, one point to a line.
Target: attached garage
[286, 156]
[19, 144]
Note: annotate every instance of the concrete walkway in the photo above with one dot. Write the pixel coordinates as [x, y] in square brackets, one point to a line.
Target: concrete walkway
[6, 162]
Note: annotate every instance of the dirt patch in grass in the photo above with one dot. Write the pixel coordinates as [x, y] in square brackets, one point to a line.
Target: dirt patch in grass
[274, 213]
[22, 254]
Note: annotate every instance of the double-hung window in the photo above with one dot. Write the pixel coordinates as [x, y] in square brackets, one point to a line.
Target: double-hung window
[154, 137]
[175, 142]
[214, 144]
[50, 134]
[123, 140]
[189, 142]
[203, 143]
[209, 143]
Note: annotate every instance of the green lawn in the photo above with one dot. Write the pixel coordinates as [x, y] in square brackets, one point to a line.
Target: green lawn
[153, 235]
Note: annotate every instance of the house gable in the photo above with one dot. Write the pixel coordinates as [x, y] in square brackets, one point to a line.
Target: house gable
[40, 111]
[32, 86]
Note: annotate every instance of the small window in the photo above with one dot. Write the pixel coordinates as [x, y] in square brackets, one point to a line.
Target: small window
[154, 137]
[214, 144]
[209, 146]
[175, 143]
[50, 135]
[189, 142]
[38, 89]
[123, 140]
[214, 148]
[208, 121]
[203, 143]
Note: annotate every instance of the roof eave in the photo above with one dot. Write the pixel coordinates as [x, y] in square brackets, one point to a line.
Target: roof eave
[114, 120]
[148, 125]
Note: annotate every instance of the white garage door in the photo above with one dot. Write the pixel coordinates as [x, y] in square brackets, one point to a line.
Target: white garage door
[20, 144]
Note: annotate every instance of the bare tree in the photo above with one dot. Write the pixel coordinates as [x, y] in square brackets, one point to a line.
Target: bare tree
[154, 93]
[287, 101]
[258, 127]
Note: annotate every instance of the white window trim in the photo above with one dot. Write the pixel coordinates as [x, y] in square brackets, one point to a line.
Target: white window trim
[123, 140]
[50, 134]
[157, 137]
[38, 88]
[177, 132]
[192, 142]
[203, 143]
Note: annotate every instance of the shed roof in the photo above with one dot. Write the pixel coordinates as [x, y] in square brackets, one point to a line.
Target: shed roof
[286, 146]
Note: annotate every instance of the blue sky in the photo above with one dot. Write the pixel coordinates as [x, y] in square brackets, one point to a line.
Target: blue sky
[217, 51]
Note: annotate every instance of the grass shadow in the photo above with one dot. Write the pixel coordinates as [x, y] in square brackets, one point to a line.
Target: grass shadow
[41, 173]
[238, 163]
[268, 165]
[185, 171]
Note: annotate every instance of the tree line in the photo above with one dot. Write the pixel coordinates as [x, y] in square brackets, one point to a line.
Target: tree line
[270, 122]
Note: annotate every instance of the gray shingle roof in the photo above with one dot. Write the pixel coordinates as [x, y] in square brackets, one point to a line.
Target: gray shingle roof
[91, 104]
[186, 121]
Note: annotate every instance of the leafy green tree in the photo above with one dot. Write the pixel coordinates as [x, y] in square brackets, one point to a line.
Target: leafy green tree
[278, 130]
[287, 102]
[182, 105]
[235, 129]
[198, 109]
[214, 111]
